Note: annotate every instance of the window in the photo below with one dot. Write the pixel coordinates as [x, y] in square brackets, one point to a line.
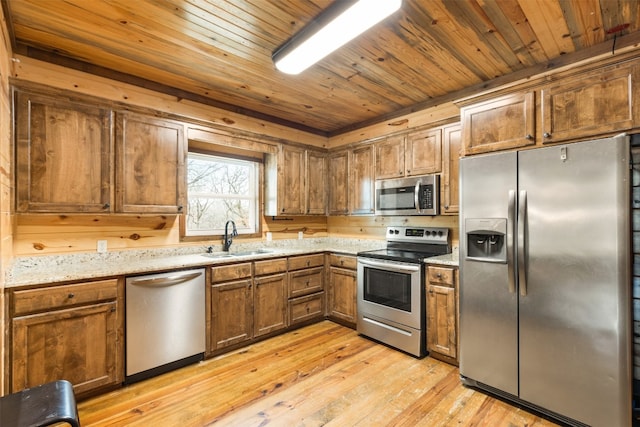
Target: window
[220, 189]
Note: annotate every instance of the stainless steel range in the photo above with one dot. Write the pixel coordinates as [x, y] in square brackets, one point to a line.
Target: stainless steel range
[391, 285]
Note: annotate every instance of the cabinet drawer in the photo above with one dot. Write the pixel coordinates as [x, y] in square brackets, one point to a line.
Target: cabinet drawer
[305, 282]
[270, 266]
[305, 308]
[306, 261]
[441, 275]
[54, 297]
[225, 273]
[344, 261]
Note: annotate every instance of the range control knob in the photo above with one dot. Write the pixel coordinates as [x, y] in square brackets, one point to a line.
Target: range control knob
[396, 231]
[440, 233]
[427, 233]
[390, 231]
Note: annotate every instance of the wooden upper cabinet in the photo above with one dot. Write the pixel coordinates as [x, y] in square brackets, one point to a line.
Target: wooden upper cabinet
[595, 103]
[316, 179]
[361, 183]
[390, 157]
[150, 158]
[423, 152]
[450, 183]
[499, 124]
[418, 153]
[338, 183]
[291, 180]
[296, 182]
[63, 155]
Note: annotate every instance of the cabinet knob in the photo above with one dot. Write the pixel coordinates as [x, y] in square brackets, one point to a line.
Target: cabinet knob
[308, 263]
[307, 284]
[113, 309]
[180, 208]
[71, 295]
[106, 206]
[341, 262]
[529, 137]
[546, 135]
[431, 291]
[439, 275]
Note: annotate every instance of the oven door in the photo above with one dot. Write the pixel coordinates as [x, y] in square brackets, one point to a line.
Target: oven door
[390, 290]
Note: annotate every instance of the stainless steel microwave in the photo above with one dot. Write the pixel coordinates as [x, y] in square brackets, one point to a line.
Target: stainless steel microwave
[418, 195]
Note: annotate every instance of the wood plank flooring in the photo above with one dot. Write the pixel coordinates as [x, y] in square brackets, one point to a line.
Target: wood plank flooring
[320, 375]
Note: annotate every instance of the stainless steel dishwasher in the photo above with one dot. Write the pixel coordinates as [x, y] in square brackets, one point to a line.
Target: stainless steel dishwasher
[165, 322]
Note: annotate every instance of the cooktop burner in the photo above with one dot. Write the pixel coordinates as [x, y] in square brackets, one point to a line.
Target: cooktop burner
[412, 244]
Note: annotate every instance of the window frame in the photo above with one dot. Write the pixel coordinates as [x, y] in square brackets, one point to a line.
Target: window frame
[260, 196]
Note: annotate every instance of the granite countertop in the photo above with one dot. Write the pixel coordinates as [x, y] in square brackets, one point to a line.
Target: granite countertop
[35, 270]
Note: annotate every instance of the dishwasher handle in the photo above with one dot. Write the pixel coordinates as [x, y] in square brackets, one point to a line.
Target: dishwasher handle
[157, 282]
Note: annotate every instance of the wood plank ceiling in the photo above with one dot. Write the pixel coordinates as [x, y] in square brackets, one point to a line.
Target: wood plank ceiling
[219, 51]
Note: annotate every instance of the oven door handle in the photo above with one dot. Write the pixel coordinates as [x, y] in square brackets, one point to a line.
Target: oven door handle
[401, 268]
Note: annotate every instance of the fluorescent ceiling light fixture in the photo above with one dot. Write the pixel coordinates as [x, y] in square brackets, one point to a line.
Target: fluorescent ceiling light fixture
[341, 22]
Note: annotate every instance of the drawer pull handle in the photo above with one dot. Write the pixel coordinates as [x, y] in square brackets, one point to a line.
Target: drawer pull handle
[71, 295]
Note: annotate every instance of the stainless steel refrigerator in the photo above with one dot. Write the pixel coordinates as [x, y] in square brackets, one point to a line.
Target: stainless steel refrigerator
[545, 265]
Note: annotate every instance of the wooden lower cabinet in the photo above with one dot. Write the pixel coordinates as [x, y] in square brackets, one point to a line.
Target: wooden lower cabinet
[442, 313]
[72, 332]
[269, 296]
[341, 301]
[270, 304]
[306, 288]
[231, 305]
[231, 313]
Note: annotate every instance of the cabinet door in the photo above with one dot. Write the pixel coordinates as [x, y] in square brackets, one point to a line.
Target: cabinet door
[441, 320]
[270, 304]
[63, 156]
[316, 183]
[596, 103]
[450, 169]
[339, 183]
[362, 181]
[231, 312]
[424, 152]
[499, 124]
[390, 158]
[150, 156]
[291, 180]
[78, 344]
[342, 295]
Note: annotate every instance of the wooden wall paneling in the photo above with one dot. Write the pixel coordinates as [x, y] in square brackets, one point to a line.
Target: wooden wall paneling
[32, 70]
[49, 234]
[375, 227]
[6, 182]
[288, 227]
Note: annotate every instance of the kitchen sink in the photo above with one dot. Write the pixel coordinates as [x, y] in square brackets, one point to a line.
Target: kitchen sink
[237, 254]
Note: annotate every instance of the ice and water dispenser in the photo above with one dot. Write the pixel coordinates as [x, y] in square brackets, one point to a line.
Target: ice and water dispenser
[486, 239]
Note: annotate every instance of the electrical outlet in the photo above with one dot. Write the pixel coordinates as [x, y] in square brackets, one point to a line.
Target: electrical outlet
[102, 246]
[300, 235]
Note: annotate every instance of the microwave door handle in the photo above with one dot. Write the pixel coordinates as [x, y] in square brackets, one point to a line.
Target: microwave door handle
[416, 196]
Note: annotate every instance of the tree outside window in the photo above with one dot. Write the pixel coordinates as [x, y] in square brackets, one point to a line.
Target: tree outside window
[221, 189]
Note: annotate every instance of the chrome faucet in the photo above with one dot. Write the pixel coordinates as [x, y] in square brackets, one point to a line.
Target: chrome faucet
[228, 239]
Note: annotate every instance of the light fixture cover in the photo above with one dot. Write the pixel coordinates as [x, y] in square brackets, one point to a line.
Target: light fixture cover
[308, 46]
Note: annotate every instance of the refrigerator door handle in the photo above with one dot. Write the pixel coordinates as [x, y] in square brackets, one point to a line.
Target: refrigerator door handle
[510, 237]
[522, 259]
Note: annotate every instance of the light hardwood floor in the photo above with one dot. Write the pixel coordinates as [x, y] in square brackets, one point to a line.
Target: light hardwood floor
[323, 374]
